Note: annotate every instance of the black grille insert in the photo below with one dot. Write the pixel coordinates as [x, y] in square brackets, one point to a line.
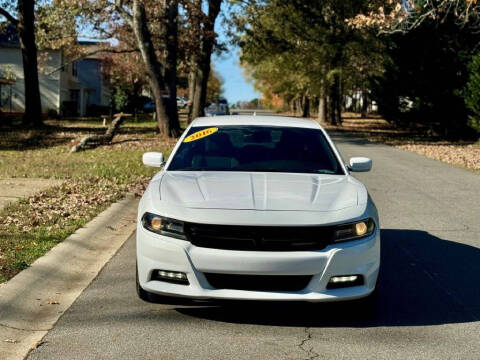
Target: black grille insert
[258, 282]
[259, 238]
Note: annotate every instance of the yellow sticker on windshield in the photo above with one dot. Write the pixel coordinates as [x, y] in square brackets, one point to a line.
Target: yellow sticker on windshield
[200, 134]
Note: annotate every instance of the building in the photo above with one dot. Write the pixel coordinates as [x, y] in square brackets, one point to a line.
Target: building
[67, 88]
[6, 91]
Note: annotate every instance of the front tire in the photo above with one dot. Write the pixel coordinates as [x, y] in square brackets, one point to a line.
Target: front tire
[143, 294]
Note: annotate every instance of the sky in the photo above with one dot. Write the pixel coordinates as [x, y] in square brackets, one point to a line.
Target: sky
[236, 88]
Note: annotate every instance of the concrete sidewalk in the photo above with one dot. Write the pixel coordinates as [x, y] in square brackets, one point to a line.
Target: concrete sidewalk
[13, 189]
[33, 301]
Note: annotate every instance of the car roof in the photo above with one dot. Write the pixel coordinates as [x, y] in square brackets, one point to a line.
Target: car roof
[255, 120]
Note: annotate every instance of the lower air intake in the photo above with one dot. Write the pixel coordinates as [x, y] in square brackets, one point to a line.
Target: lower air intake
[258, 282]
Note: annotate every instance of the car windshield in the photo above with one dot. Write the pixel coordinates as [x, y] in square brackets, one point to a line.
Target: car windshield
[255, 148]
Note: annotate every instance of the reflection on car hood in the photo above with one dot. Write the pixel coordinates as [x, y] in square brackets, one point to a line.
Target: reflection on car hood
[260, 191]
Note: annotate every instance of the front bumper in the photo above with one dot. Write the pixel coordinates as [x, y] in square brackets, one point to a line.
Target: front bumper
[160, 252]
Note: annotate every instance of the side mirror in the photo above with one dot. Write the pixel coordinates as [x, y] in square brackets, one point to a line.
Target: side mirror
[360, 164]
[154, 159]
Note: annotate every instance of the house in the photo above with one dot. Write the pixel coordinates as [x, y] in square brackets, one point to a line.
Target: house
[67, 88]
[6, 85]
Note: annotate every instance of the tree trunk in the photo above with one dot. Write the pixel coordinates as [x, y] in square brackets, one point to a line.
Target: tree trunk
[327, 109]
[298, 106]
[26, 35]
[197, 109]
[339, 92]
[192, 80]
[306, 107]
[196, 24]
[321, 117]
[206, 49]
[335, 101]
[332, 100]
[364, 103]
[96, 140]
[152, 64]
[331, 111]
[171, 35]
[322, 104]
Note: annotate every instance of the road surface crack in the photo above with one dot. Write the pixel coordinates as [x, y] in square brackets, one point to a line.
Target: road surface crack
[308, 350]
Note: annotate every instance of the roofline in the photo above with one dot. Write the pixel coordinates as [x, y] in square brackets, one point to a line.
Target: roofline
[14, 45]
[256, 120]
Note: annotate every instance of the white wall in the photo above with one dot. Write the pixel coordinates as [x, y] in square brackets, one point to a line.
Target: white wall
[49, 83]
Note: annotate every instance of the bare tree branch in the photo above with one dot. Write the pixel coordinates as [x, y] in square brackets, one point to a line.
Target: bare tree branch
[125, 14]
[8, 16]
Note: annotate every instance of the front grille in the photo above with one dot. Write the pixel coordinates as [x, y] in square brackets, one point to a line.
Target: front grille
[259, 238]
[258, 282]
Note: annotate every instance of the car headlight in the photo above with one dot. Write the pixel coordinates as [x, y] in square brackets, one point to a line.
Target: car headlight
[164, 226]
[353, 231]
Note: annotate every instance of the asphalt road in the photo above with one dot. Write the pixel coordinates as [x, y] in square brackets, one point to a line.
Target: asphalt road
[428, 305]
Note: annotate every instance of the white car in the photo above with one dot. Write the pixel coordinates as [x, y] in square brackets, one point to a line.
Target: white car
[256, 208]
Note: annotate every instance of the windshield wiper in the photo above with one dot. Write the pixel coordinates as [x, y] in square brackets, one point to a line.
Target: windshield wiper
[328, 172]
[190, 169]
[300, 171]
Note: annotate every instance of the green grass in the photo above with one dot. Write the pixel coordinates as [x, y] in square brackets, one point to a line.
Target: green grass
[93, 179]
[21, 248]
[58, 162]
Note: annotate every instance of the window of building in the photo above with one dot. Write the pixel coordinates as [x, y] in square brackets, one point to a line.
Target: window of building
[74, 68]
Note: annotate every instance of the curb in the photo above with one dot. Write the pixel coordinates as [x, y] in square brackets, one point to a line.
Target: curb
[33, 300]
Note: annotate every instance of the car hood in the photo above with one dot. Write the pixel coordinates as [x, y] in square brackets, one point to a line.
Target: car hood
[259, 191]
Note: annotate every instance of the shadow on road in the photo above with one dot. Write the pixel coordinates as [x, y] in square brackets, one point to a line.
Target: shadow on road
[424, 280]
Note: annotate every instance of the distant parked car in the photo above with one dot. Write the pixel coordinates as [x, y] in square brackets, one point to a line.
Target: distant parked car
[150, 106]
[217, 110]
[181, 102]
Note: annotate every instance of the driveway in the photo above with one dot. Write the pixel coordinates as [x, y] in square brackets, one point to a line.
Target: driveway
[13, 189]
[428, 306]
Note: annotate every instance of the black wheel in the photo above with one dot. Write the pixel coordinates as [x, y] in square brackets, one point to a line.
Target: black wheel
[143, 294]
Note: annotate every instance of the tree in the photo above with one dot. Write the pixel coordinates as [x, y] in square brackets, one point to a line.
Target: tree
[390, 16]
[305, 51]
[472, 93]
[201, 57]
[25, 25]
[425, 74]
[152, 33]
[127, 78]
[168, 123]
[214, 86]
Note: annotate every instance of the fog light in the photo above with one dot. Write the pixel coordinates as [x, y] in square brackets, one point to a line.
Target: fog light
[170, 276]
[337, 279]
[344, 281]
